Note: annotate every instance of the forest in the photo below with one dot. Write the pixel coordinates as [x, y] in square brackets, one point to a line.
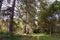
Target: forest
[29, 19]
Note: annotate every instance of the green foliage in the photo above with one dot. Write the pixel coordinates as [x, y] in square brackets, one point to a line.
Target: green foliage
[3, 26]
[18, 27]
[44, 14]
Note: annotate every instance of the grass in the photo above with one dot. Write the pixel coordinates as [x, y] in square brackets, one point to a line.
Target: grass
[32, 37]
[39, 34]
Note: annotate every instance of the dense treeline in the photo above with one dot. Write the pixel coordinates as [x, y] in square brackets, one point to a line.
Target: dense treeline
[29, 16]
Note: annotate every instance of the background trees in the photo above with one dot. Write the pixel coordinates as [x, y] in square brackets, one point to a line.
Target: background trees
[31, 16]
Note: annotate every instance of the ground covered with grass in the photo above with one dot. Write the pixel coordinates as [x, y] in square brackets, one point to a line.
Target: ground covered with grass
[31, 37]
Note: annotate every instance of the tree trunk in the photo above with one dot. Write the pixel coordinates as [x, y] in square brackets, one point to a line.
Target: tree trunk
[26, 21]
[1, 4]
[11, 19]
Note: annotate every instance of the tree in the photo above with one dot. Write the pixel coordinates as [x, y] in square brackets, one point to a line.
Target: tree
[43, 7]
[1, 4]
[11, 19]
[28, 10]
[46, 17]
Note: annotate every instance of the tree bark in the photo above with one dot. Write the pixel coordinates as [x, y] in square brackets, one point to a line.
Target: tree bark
[11, 19]
[1, 4]
[26, 21]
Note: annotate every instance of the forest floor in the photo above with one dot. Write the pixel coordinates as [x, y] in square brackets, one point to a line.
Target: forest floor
[30, 37]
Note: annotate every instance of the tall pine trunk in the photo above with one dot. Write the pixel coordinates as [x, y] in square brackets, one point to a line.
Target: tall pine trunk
[11, 19]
